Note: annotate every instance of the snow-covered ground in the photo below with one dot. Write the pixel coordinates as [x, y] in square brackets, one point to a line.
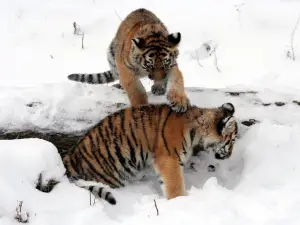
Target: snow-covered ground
[258, 185]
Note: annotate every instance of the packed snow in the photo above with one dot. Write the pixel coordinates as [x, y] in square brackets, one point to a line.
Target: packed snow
[250, 51]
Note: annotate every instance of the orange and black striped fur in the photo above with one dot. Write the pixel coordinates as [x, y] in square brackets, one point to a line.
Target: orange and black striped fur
[122, 145]
[143, 47]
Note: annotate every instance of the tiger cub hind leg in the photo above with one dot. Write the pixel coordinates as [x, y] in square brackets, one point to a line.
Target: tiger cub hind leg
[97, 189]
[171, 177]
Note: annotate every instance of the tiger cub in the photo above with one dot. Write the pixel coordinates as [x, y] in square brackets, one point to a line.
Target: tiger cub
[143, 47]
[133, 139]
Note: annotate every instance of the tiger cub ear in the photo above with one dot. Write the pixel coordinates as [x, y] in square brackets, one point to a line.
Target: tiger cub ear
[227, 122]
[139, 42]
[228, 109]
[174, 38]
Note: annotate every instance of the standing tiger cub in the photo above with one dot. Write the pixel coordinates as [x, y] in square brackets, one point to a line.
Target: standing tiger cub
[143, 47]
[124, 144]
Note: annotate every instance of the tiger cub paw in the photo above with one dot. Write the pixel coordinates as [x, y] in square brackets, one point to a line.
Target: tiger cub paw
[158, 89]
[211, 168]
[191, 166]
[178, 102]
[118, 86]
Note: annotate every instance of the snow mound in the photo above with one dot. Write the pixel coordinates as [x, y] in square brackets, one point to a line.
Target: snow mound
[21, 163]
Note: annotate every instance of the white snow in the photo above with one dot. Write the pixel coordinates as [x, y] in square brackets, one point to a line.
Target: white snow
[259, 184]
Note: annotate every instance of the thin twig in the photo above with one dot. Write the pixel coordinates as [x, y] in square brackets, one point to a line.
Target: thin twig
[238, 9]
[82, 38]
[90, 198]
[292, 38]
[117, 15]
[216, 60]
[75, 27]
[19, 207]
[21, 217]
[157, 212]
[197, 58]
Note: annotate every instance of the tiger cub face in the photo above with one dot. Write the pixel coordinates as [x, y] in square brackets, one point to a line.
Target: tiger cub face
[156, 52]
[227, 129]
[221, 134]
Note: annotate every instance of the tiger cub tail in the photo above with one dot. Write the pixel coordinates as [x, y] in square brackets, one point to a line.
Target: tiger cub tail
[97, 189]
[94, 78]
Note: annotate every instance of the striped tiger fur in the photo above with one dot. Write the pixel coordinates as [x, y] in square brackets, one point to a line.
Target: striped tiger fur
[143, 47]
[125, 143]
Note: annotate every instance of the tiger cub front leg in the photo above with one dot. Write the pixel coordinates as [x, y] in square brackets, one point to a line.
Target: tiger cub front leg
[171, 176]
[175, 91]
[133, 86]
